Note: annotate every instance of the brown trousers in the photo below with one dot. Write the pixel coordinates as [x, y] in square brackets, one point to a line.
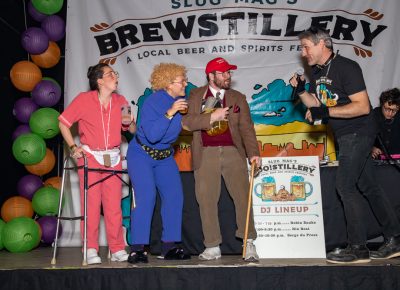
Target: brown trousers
[225, 161]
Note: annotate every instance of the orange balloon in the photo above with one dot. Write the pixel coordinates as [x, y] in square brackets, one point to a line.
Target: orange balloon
[54, 182]
[45, 166]
[16, 206]
[25, 75]
[49, 58]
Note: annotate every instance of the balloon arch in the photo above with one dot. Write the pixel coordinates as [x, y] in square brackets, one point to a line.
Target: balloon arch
[32, 213]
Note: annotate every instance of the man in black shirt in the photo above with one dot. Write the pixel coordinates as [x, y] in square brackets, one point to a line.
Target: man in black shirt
[388, 123]
[338, 96]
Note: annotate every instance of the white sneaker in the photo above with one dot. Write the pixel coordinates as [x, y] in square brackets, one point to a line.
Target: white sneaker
[93, 257]
[251, 252]
[120, 256]
[212, 253]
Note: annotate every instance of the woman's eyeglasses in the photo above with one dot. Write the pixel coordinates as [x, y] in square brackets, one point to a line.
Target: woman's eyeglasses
[180, 82]
[111, 73]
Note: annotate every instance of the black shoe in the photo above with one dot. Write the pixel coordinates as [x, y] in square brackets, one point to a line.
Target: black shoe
[353, 254]
[336, 251]
[138, 257]
[175, 254]
[389, 249]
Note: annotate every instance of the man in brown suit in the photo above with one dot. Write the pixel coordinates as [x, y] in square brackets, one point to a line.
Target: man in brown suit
[223, 137]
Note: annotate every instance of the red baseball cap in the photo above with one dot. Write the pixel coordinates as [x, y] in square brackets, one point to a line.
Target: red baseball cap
[219, 64]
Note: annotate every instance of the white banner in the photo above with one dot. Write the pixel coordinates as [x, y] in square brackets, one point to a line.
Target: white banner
[287, 208]
[259, 36]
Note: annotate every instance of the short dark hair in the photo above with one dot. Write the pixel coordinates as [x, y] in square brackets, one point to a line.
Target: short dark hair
[94, 73]
[392, 97]
[315, 34]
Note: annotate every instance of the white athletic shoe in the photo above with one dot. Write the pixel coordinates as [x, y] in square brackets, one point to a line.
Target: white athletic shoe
[251, 252]
[120, 256]
[93, 257]
[209, 254]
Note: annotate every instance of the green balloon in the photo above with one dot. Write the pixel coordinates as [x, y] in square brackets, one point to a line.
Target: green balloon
[48, 7]
[44, 122]
[45, 201]
[21, 234]
[2, 223]
[29, 148]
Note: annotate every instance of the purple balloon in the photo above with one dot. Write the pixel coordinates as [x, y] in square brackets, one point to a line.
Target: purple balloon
[21, 129]
[54, 26]
[53, 80]
[48, 224]
[34, 40]
[23, 109]
[46, 93]
[28, 185]
[38, 16]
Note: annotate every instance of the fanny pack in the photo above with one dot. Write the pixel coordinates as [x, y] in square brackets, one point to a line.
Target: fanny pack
[113, 156]
[156, 154]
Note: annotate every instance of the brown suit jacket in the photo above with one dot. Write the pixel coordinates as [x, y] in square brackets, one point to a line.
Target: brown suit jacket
[240, 123]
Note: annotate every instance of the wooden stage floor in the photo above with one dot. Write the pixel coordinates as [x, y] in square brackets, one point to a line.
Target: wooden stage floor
[68, 258]
[33, 270]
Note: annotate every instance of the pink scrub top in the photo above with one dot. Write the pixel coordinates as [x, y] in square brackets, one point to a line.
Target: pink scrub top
[92, 128]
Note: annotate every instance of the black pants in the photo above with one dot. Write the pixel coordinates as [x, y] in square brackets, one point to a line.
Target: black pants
[355, 174]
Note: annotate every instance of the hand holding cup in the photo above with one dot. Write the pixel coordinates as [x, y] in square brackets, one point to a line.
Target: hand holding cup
[180, 105]
[126, 112]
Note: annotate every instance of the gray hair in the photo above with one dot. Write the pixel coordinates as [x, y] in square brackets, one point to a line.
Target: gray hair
[315, 34]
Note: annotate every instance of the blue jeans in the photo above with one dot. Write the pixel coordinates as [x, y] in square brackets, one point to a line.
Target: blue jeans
[355, 174]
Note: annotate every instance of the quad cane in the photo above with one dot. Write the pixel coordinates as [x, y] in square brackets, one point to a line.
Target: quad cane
[249, 202]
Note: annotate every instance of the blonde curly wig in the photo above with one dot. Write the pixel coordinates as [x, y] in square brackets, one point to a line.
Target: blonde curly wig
[165, 73]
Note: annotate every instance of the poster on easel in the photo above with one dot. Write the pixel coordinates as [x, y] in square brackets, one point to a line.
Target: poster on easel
[287, 208]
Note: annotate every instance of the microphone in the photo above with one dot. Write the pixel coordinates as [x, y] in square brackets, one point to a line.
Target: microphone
[299, 73]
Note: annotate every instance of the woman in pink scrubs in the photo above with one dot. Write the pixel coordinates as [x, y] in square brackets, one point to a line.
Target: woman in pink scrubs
[99, 118]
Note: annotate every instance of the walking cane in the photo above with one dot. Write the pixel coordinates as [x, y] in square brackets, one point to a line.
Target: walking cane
[249, 202]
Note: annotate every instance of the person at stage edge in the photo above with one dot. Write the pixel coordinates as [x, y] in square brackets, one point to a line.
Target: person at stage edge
[338, 95]
[99, 118]
[388, 122]
[152, 167]
[223, 136]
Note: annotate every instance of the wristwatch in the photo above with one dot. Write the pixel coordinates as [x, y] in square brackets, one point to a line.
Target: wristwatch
[72, 147]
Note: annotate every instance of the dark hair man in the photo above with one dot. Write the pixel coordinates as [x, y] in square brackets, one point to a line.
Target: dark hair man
[388, 123]
[338, 95]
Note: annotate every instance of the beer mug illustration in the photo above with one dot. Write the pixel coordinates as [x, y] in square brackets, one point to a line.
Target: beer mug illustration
[298, 187]
[266, 189]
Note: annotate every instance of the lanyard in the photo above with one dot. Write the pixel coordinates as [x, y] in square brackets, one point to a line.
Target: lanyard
[105, 134]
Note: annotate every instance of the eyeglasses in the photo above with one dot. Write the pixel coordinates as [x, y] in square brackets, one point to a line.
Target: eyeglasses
[180, 82]
[390, 110]
[226, 73]
[112, 73]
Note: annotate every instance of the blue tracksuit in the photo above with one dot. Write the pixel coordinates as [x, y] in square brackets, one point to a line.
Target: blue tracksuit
[147, 174]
